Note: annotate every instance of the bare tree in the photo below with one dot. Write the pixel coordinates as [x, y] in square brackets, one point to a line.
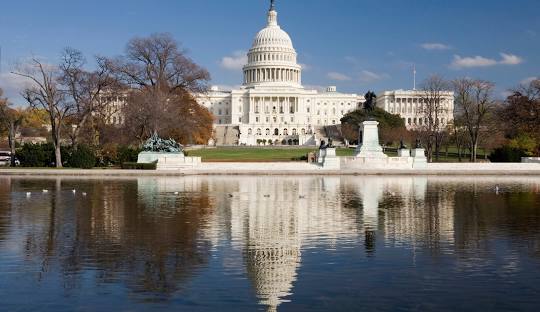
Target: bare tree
[46, 93]
[521, 114]
[473, 102]
[433, 108]
[11, 119]
[459, 136]
[160, 77]
[86, 89]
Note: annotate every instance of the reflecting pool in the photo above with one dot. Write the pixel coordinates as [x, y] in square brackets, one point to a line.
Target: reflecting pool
[273, 243]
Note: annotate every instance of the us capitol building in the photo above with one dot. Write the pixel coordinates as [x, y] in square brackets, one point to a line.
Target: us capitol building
[272, 106]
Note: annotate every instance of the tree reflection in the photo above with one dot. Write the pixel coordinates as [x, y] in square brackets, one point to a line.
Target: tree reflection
[5, 207]
[152, 250]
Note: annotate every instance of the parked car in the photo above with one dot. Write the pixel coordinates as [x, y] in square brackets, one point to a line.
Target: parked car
[5, 159]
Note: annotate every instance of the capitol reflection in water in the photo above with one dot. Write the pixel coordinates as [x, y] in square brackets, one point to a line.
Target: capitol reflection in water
[155, 242]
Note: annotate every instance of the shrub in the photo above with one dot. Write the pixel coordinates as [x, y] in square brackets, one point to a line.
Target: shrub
[82, 157]
[36, 155]
[507, 154]
[107, 155]
[127, 154]
[137, 166]
[525, 143]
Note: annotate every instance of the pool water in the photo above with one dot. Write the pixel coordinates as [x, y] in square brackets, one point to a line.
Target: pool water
[270, 243]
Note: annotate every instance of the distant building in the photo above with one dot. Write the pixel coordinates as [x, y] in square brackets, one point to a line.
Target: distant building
[409, 104]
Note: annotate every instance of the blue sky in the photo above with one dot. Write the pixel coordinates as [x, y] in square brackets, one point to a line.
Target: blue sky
[356, 45]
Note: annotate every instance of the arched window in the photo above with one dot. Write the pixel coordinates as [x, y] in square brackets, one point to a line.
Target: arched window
[250, 131]
[267, 131]
[259, 132]
[303, 131]
[285, 132]
[293, 131]
[276, 131]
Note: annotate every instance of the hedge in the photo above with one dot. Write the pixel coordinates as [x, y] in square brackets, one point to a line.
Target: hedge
[137, 166]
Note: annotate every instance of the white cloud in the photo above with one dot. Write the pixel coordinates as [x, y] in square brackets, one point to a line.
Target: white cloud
[469, 62]
[13, 85]
[433, 46]
[305, 67]
[528, 80]
[352, 60]
[480, 61]
[235, 61]
[505, 94]
[338, 76]
[367, 76]
[510, 59]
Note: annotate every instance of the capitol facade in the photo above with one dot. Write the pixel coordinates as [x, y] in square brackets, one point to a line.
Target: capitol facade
[272, 107]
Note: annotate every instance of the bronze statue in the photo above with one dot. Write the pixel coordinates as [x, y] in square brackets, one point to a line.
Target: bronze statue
[370, 103]
[272, 5]
[418, 144]
[402, 145]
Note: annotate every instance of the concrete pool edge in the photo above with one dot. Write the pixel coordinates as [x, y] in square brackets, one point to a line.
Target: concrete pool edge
[280, 169]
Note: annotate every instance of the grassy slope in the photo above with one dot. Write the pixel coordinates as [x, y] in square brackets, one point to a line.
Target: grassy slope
[232, 154]
[257, 154]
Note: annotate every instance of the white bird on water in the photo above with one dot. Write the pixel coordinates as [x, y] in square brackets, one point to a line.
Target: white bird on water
[176, 193]
[28, 194]
[74, 191]
[45, 191]
[497, 190]
[84, 194]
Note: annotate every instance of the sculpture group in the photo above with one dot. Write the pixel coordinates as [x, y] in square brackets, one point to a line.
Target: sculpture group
[158, 145]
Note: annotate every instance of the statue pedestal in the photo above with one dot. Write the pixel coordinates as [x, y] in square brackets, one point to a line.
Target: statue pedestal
[419, 158]
[150, 157]
[169, 161]
[370, 147]
[327, 159]
[404, 152]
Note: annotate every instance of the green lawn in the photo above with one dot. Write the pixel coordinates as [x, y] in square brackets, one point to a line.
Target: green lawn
[232, 154]
[269, 154]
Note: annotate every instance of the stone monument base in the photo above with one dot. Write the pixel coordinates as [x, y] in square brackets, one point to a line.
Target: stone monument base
[419, 158]
[169, 161]
[404, 152]
[370, 147]
[327, 159]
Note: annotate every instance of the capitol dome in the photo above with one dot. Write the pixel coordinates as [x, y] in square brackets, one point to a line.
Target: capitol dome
[272, 36]
[272, 58]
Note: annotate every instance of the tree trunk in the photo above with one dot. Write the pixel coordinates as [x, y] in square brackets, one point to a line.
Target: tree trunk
[58, 156]
[473, 151]
[57, 148]
[11, 139]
